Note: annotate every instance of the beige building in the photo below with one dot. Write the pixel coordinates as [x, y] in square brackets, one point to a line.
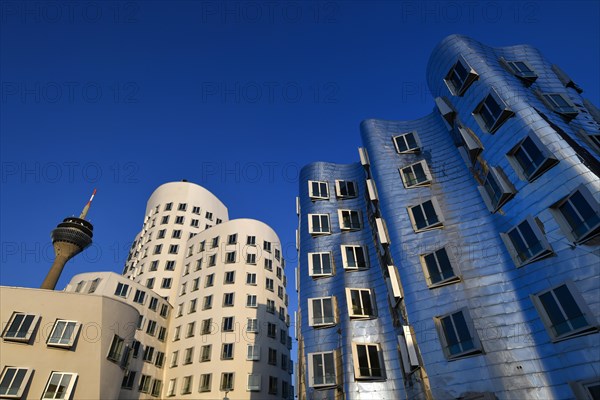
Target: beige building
[200, 313]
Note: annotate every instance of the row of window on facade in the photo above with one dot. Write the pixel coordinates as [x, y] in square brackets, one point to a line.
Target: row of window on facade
[14, 381]
[319, 190]
[183, 207]
[227, 384]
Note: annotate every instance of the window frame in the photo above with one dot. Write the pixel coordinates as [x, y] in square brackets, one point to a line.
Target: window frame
[344, 250]
[351, 313]
[72, 337]
[547, 163]
[205, 383]
[28, 334]
[254, 387]
[427, 272]
[356, 362]
[544, 252]
[254, 354]
[593, 229]
[231, 378]
[327, 382]
[311, 227]
[326, 322]
[568, 111]
[474, 337]
[528, 77]
[439, 224]
[24, 382]
[428, 177]
[499, 119]
[346, 183]
[467, 81]
[342, 220]
[318, 196]
[409, 150]
[502, 182]
[68, 388]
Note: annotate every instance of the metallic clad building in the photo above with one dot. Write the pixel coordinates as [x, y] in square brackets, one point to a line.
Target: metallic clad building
[479, 223]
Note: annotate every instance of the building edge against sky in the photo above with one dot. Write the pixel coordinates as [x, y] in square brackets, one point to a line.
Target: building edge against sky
[459, 258]
[199, 312]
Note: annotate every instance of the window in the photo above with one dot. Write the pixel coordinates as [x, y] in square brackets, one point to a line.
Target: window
[227, 351]
[268, 264]
[139, 297]
[318, 224]
[212, 260]
[267, 246]
[253, 383]
[318, 190]
[128, 379]
[367, 361]
[188, 356]
[166, 283]
[179, 219]
[148, 354]
[195, 284]
[280, 292]
[162, 233]
[171, 388]
[250, 279]
[407, 143]
[321, 367]
[165, 220]
[201, 246]
[20, 327]
[285, 392]
[145, 384]
[205, 352]
[156, 387]
[162, 333]
[153, 303]
[210, 280]
[271, 330]
[530, 158]
[207, 304]
[251, 258]
[269, 284]
[196, 210]
[253, 352]
[491, 113]
[564, 312]
[232, 239]
[230, 257]
[319, 264]
[321, 311]
[272, 356]
[79, 286]
[587, 390]
[151, 328]
[229, 277]
[457, 335]
[521, 70]
[174, 358]
[416, 175]
[578, 214]
[135, 347]
[271, 306]
[94, 285]
[526, 243]
[164, 310]
[176, 333]
[13, 381]
[277, 254]
[460, 77]
[227, 381]
[252, 325]
[186, 387]
[205, 382]
[426, 216]
[173, 249]
[496, 189]
[345, 189]
[354, 257]
[116, 349]
[228, 299]
[251, 300]
[122, 290]
[251, 240]
[215, 243]
[349, 219]
[191, 329]
[154, 265]
[59, 385]
[176, 234]
[160, 359]
[438, 269]
[560, 104]
[227, 325]
[284, 362]
[279, 272]
[150, 283]
[140, 322]
[360, 303]
[273, 384]
[206, 326]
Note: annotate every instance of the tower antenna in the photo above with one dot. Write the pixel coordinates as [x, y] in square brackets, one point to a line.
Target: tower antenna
[87, 206]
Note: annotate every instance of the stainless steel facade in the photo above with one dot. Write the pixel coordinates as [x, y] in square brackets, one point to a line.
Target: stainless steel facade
[493, 321]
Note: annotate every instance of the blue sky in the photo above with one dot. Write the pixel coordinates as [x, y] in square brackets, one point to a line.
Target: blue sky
[235, 96]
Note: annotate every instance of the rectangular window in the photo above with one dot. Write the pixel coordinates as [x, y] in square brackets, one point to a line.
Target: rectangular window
[212, 260]
[227, 325]
[273, 384]
[188, 356]
[148, 354]
[367, 361]
[144, 386]
[251, 240]
[215, 243]
[321, 367]
[460, 77]
[206, 326]
[232, 239]
[122, 289]
[156, 387]
[196, 210]
[205, 353]
[496, 189]
[521, 70]
[228, 299]
[530, 158]
[321, 311]
[164, 310]
[195, 223]
[150, 283]
[526, 243]
[560, 104]
[116, 349]
[250, 279]
[229, 277]
[251, 258]
[267, 246]
[195, 284]
[165, 220]
[162, 233]
[438, 269]
[166, 283]
[154, 265]
[457, 335]
[158, 249]
[426, 216]
[176, 234]
[277, 254]
[320, 264]
[179, 219]
[354, 257]
[174, 359]
[253, 352]
[349, 220]
[345, 189]
[272, 359]
[318, 190]
[416, 175]
[205, 382]
[153, 303]
[227, 351]
[210, 280]
[20, 327]
[252, 325]
[170, 265]
[162, 333]
[173, 249]
[253, 383]
[207, 303]
[191, 329]
[13, 381]
[491, 113]
[160, 359]
[151, 328]
[60, 385]
[139, 297]
[128, 379]
[168, 206]
[268, 264]
[271, 330]
[186, 386]
[269, 284]
[227, 381]
[318, 224]
[564, 312]
[407, 143]
[251, 300]
[578, 214]
[94, 285]
[230, 257]
[360, 303]
[171, 388]
[271, 306]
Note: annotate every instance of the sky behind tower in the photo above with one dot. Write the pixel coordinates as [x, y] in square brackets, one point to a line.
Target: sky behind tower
[235, 96]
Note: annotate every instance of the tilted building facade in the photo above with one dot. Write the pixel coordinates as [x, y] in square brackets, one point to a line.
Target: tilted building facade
[459, 258]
